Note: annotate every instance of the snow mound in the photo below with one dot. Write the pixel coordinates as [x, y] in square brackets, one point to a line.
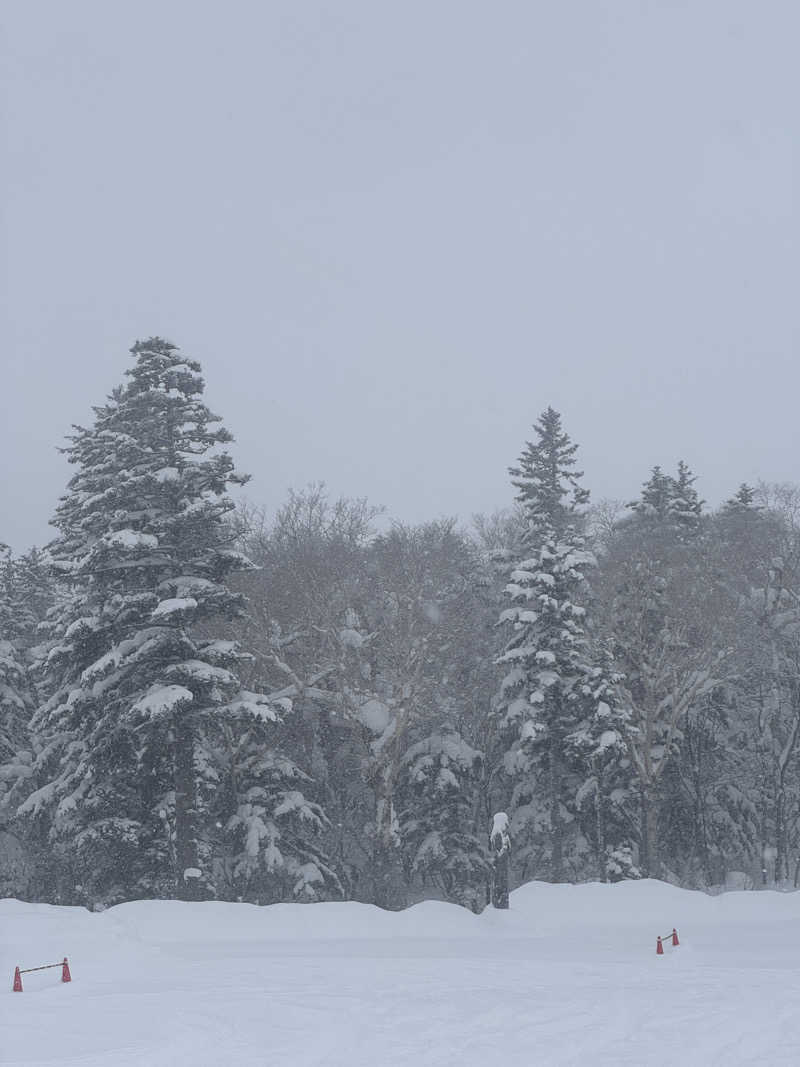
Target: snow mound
[569, 975]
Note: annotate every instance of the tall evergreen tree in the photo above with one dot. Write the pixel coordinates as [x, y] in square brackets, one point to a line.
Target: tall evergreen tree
[135, 673]
[549, 486]
[549, 678]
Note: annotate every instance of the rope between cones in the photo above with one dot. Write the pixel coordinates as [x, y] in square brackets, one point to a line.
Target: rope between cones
[673, 937]
[18, 973]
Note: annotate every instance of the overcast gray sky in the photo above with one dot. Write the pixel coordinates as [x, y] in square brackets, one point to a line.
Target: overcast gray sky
[393, 233]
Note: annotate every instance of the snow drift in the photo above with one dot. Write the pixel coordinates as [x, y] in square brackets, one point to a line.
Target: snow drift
[569, 975]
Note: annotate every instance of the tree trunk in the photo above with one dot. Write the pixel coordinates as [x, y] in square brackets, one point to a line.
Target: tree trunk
[556, 824]
[780, 833]
[389, 885]
[648, 846]
[189, 883]
[600, 829]
[500, 881]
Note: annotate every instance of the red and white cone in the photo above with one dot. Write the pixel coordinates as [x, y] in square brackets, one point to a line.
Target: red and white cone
[659, 947]
[65, 975]
[17, 981]
[675, 940]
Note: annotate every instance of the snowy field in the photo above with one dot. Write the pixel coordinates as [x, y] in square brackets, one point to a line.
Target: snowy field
[568, 976]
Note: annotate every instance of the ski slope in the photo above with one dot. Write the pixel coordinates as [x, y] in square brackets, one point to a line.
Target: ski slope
[568, 976]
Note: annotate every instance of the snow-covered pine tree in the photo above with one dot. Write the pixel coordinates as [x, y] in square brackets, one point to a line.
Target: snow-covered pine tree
[17, 624]
[685, 506]
[544, 695]
[668, 500]
[264, 845]
[740, 525]
[15, 696]
[599, 746]
[134, 671]
[656, 496]
[436, 801]
[549, 488]
[32, 592]
[743, 499]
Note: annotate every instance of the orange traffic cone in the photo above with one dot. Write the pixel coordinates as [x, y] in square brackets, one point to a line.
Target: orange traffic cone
[659, 948]
[17, 981]
[675, 940]
[65, 975]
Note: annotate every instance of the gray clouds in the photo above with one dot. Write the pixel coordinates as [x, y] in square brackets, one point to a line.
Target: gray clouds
[393, 233]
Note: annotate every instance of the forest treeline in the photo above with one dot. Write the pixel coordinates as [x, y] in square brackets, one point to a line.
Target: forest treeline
[198, 700]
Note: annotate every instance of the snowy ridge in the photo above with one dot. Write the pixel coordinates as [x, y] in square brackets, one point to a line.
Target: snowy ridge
[569, 975]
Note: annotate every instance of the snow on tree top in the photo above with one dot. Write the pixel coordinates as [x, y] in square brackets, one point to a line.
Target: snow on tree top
[220, 649]
[131, 539]
[309, 875]
[608, 739]
[350, 638]
[167, 474]
[162, 700]
[291, 802]
[234, 554]
[198, 671]
[173, 605]
[517, 708]
[500, 823]
[184, 368]
[518, 615]
[513, 678]
[375, 715]
[257, 705]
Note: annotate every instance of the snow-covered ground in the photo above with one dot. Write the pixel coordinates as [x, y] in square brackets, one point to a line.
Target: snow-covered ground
[568, 976]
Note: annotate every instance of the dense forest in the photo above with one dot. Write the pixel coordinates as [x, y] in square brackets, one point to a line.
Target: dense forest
[199, 700]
